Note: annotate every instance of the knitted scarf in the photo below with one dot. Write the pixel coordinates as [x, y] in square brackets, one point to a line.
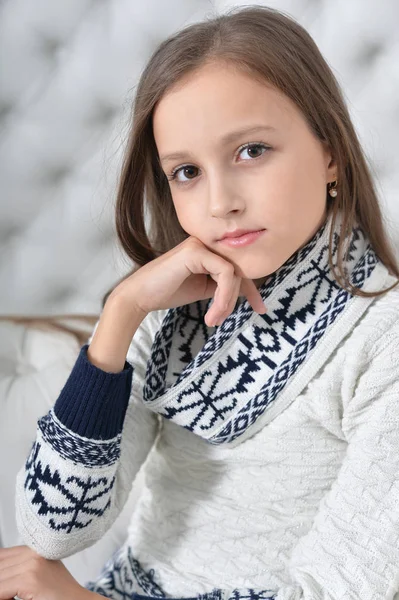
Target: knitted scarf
[225, 383]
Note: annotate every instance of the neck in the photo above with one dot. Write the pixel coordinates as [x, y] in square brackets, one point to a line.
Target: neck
[259, 282]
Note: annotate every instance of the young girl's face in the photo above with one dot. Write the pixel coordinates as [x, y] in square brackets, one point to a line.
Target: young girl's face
[277, 184]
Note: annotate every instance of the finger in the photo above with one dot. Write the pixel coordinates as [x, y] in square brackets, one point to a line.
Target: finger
[13, 556]
[13, 550]
[243, 287]
[227, 288]
[12, 562]
[222, 272]
[225, 291]
[252, 293]
[9, 587]
[231, 304]
[210, 288]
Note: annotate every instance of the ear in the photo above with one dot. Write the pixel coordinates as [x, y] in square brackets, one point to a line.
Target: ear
[330, 164]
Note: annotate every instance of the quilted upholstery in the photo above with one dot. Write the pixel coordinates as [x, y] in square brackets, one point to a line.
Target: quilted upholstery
[68, 70]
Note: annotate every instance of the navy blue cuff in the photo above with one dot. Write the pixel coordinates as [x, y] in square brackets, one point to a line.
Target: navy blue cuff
[93, 402]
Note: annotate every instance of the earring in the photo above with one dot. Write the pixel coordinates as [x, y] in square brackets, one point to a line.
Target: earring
[333, 189]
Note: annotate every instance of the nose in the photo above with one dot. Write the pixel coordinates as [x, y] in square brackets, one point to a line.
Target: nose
[223, 199]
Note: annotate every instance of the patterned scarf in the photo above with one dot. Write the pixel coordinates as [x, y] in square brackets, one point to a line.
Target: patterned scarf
[225, 383]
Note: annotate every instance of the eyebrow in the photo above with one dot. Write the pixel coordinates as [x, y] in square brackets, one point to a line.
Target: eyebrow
[225, 139]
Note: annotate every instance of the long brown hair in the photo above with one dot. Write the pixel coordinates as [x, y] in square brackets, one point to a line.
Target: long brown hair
[272, 47]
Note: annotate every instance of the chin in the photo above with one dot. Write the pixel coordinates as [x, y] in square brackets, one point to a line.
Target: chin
[255, 274]
[255, 271]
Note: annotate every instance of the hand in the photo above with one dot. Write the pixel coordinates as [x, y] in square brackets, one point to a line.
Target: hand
[187, 273]
[25, 574]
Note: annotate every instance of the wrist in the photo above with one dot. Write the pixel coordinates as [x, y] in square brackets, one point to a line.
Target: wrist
[121, 298]
[118, 323]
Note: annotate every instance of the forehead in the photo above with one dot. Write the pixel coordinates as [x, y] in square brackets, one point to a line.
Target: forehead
[204, 108]
[214, 96]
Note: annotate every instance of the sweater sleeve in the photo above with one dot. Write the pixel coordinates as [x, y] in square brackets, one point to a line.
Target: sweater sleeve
[88, 449]
[352, 549]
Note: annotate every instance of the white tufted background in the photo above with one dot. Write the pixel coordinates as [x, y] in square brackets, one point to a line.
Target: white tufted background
[68, 70]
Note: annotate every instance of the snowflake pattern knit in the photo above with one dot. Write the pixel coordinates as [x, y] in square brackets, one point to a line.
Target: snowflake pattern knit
[284, 490]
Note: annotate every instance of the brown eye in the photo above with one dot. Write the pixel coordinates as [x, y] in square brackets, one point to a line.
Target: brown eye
[187, 171]
[250, 148]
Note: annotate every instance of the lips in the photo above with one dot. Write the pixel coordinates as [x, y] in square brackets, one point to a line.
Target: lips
[242, 240]
[238, 233]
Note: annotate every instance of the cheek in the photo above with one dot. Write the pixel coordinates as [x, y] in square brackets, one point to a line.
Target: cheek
[281, 178]
[297, 180]
[188, 218]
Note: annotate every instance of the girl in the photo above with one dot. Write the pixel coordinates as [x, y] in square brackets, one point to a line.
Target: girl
[250, 361]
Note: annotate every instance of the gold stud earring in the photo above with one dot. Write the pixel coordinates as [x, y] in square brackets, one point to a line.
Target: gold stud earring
[333, 189]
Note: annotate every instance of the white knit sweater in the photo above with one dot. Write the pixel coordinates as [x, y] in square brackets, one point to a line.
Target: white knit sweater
[307, 508]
